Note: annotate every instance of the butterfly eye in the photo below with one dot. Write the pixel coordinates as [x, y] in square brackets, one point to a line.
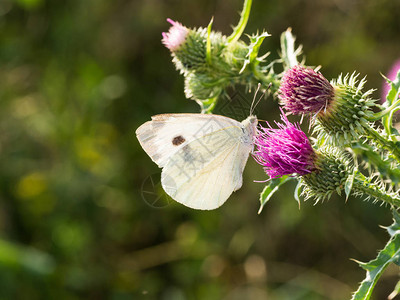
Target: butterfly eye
[176, 141]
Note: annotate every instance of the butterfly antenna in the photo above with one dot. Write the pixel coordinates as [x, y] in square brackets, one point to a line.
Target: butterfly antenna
[254, 100]
[259, 99]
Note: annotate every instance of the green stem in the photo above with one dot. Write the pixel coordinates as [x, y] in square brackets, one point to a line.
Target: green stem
[207, 106]
[266, 80]
[244, 17]
[367, 154]
[289, 51]
[361, 184]
[389, 145]
[208, 52]
[382, 113]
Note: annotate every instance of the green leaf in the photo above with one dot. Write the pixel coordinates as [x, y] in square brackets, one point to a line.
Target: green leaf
[393, 93]
[394, 229]
[207, 106]
[208, 52]
[383, 165]
[297, 192]
[349, 184]
[254, 48]
[289, 52]
[375, 268]
[244, 17]
[272, 186]
[392, 104]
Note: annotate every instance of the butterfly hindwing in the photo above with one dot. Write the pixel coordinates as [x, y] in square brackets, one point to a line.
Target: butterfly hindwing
[205, 172]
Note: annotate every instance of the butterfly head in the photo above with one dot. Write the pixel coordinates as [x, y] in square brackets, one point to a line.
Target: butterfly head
[250, 126]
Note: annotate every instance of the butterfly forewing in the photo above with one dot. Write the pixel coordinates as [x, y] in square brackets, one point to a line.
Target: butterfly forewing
[159, 137]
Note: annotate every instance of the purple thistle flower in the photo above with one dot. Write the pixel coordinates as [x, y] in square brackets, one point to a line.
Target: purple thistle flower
[284, 151]
[304, 91]
[176, 35]
[392, 76]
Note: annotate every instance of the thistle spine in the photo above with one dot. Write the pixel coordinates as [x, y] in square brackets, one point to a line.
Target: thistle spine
[346, 118]
[376, 190]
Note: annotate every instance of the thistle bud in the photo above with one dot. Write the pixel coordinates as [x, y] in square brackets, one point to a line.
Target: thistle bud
[287, 151]
[333, 167]
[347, 117]
[304, 91]
[211, 61]
[189, 46]
[202, 85]
[340, 108]
[284, 151]
[175, 37]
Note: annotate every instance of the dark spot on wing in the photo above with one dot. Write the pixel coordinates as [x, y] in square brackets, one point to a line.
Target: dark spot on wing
[176, 141]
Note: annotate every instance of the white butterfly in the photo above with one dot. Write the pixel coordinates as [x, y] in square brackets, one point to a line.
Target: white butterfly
[202, 155]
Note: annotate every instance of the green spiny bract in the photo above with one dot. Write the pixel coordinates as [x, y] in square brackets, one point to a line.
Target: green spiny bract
[374, 188]
[333, 167]
[345, 118]
[210, 63]
[192, 54]
[376, 159]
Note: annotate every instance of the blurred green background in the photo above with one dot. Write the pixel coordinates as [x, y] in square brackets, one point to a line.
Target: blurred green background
[78, 219]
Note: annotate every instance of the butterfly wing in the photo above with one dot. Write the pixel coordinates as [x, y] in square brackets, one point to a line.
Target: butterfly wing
[166, 134]
[205, 172]
[203, 156]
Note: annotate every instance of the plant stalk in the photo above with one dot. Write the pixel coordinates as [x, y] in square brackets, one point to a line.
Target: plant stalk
[362, 185]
